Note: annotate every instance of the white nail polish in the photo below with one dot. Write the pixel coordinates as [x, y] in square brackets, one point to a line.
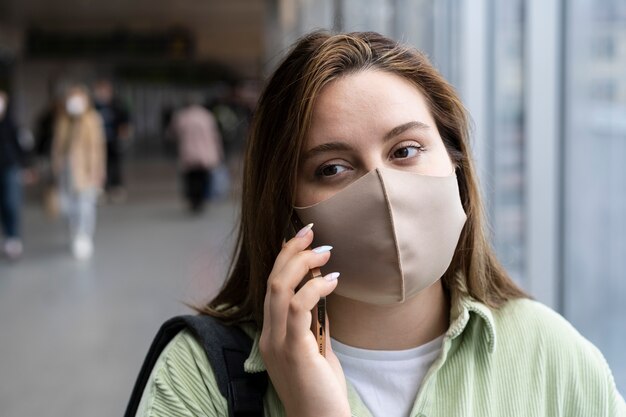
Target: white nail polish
[304, 230]
[332, 276]
[322, 249]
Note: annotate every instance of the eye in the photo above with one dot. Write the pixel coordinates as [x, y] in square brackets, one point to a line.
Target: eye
[406, 151]
[330, 170]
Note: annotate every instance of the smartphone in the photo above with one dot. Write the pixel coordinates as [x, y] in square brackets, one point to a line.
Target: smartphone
[318, 314]
[318, 325]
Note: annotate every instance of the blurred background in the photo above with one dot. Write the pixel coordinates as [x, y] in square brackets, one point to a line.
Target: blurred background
[176, 85]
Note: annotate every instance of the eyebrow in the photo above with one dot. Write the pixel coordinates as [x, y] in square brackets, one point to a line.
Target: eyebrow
[398, 130]
[342, 146]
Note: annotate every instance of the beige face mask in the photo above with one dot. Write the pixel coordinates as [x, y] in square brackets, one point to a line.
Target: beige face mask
[393, 233]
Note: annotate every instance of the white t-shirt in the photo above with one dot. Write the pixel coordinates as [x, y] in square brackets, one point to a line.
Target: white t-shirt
[387, 380]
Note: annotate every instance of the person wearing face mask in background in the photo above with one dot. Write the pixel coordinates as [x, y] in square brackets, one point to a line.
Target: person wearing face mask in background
[361, 138]
[12, 157]
[78, 164]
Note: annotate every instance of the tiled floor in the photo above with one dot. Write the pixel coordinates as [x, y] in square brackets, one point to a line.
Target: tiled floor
[73, 334]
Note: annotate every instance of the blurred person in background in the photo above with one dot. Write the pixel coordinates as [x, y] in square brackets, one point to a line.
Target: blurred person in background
[12, 158]
[233, 118]
[233, 111]
[78, 164]
[44, 134]
[199, 151]
[116, 121]
[44, 124]
[167, 137]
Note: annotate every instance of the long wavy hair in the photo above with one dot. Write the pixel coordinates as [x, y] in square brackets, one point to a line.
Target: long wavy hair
[274, 147]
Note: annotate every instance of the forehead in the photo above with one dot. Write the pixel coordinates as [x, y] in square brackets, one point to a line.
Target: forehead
[367, 101]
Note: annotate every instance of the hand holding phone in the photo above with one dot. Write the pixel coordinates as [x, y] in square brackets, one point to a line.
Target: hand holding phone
[308, 383]
[318, 314]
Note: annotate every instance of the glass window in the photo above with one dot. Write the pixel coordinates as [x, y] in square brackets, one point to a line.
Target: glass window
[507, 135]
[374, 15]
[595, 176]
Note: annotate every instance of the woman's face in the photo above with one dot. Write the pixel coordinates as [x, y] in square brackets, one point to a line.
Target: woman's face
[76, 102]
[363, 121]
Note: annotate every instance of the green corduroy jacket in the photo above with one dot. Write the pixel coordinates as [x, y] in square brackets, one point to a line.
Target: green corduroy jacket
[522, 359]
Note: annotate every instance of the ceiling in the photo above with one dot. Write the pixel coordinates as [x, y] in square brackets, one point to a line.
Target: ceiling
[230, 31]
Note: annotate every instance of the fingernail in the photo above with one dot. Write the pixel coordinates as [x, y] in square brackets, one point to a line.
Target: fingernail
[332, 276]
[322, 249]
[304, 230]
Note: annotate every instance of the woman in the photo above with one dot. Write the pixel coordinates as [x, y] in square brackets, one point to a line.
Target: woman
[362, 137]
[78, 159]
[199, 151]
[12, 158]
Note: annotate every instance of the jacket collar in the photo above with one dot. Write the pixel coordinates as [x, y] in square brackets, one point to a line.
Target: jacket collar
[460, 315]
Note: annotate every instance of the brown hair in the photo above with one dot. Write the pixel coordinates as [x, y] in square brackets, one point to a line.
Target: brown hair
[273, 150]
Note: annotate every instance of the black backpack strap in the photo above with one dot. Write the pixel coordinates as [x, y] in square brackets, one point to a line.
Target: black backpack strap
[244, 391]
[227, 348]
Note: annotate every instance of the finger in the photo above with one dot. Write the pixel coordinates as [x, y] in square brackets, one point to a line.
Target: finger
[298, 243]
[299, 266]
[281, 287]
[301, 241]
[300, 306]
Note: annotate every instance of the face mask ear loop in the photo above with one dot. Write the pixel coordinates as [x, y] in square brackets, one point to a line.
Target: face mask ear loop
[393, 233]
